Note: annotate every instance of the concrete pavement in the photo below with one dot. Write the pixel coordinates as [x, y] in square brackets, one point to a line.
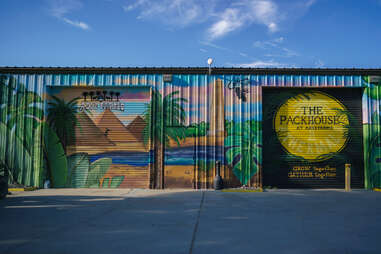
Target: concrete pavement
[187, 221]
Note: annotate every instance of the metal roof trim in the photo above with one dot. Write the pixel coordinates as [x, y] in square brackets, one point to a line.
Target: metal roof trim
[188, 70]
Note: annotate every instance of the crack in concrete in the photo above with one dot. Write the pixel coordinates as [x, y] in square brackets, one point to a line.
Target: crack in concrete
[197, 222]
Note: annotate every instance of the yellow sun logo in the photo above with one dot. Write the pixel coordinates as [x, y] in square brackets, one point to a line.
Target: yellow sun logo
[312, 125]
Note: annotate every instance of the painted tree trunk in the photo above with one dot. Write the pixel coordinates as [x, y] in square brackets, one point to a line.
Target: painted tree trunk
[159, 166]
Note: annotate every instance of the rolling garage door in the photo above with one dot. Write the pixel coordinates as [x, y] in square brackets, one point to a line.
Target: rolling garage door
[106, 147]
[309, 136]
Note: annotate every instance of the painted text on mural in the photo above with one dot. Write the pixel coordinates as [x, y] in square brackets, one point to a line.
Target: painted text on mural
[312, 172]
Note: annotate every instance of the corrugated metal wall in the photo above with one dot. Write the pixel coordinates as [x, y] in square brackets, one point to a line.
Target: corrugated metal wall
[196, 119]
[21, 136]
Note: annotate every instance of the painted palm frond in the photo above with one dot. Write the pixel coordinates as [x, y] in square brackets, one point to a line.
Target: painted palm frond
[373, 92]
[174, 113]
[350, 130]
[243, 152]
[62, 119]
[161, 115]
[21, 113]
[21, 110]
[175, 133]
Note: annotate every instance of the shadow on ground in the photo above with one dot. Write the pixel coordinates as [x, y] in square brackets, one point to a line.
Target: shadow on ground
[98, 224]
[146, 221]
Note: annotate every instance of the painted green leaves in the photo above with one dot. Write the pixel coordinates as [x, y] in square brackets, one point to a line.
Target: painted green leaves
[55, 158]
[62, 119]
[115, 182]
[372, 90]
[21, 113]
[13, 155]
[96, 171]
[78, 170]
[83, 174]
[375, 164]
[243, 150]
[167, 116]
[374, 173]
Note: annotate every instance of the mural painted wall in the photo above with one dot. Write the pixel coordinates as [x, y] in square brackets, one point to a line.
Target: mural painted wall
[189, 124]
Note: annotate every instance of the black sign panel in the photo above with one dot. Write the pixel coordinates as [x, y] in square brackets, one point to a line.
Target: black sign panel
[309, 135]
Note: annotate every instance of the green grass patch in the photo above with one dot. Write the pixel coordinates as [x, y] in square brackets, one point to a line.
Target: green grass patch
[242, 190]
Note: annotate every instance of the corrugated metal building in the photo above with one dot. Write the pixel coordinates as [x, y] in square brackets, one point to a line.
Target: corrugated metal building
[168, 127]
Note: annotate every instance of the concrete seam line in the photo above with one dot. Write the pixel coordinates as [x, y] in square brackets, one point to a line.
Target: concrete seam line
[197, 222]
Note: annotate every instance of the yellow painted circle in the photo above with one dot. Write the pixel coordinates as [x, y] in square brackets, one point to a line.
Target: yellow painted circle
[312, 125]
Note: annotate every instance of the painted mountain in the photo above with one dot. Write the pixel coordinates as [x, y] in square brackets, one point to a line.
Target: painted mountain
[88, 134]
[136, 127]
[113, 128]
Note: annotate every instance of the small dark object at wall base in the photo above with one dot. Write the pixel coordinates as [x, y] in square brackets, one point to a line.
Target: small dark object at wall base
[218, 183]
[3, 186]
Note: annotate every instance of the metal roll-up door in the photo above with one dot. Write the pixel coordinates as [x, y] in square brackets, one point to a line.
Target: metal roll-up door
[309, 136]
[106, 148]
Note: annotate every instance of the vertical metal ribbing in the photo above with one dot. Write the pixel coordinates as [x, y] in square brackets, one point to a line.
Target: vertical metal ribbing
[10, 145]
[19, 155]
[249, 113]
[203, 149]
[4, 96]
[367, 132]
[37, 157]
[151, 175]
[23, 124]
[259, 133]
[378, 137]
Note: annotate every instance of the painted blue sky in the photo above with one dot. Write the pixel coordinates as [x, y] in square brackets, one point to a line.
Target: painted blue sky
[171, 33]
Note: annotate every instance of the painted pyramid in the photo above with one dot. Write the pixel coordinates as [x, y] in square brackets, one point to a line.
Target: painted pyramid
[136, 127]
[87, 133]
[109, 123]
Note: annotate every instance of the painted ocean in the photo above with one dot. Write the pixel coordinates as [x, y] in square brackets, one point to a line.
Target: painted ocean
[188, 155]
[125, 157]
[173, 156]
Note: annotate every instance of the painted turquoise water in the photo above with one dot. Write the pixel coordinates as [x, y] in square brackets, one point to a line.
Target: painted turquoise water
[188, 155]
[139, 159]
[173, 156]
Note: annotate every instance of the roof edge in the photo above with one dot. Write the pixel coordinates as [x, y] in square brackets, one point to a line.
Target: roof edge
[187, 70]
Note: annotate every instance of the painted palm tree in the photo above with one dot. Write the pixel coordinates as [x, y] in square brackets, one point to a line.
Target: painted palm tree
[85, 94]
[162, 114]
[62, 119]
[20, 115]
[112, 95]
[91, 93]
[98, 95]
[104, 94]
[19, 107]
